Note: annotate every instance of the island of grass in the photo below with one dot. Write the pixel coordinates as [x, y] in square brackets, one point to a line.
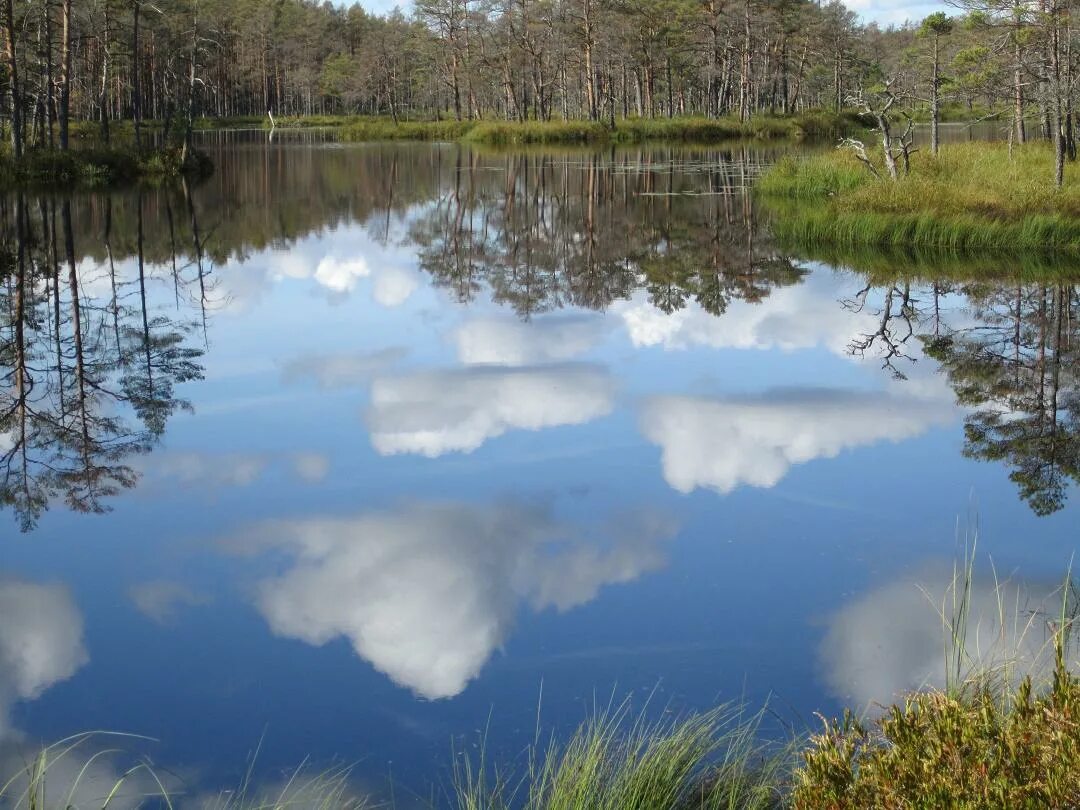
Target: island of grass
[100, 166]
[692, 129]
[986, 197]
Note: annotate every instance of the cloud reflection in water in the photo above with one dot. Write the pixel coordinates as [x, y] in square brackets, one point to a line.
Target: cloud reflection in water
[428, 593]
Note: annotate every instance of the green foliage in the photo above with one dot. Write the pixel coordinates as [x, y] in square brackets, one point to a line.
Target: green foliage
[970, 197]
[938, 24]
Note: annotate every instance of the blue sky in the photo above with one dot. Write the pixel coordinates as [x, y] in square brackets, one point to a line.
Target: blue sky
[883, 11]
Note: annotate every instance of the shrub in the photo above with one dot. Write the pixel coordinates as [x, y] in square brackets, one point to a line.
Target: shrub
[966, 751]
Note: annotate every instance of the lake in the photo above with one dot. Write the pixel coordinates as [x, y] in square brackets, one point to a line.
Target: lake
[376, 453]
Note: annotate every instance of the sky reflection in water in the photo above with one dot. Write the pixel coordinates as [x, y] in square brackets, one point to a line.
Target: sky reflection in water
[473, 423]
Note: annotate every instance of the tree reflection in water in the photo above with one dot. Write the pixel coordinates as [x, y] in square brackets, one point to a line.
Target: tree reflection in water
[1010, 354]
[1016, 370]
[89, 364]
[544, 231]
[87, 369]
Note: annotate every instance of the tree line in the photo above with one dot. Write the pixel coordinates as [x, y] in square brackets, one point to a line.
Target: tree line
[173, 60]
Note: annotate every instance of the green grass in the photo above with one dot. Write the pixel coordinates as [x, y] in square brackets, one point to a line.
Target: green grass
[383, 129]
[98, 167]
[971, 197]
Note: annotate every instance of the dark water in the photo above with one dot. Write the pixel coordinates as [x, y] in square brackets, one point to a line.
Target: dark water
[361, 451]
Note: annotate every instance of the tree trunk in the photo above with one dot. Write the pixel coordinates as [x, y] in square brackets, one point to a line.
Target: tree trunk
[65, 72]
[11, 56]
[136, 91]
[935, 83]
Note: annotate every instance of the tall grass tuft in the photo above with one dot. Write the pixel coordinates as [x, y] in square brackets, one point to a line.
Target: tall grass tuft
[705, 761]
[303, 789]
[78, 772]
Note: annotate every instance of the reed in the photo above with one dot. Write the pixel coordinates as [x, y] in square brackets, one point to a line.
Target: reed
[616, 761]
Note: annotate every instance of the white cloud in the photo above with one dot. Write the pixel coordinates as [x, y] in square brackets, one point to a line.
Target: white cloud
[427, 594]
[341, 370]
[393, 286]
[802, 316]
[161, 600]
[437, 412]
[210, 470]
[725, 443]
[311, 467]
[354, 258]
[41, 640]
[892, 639]
[41, 644]
[338, 275]
[512, 342]
[215, 471]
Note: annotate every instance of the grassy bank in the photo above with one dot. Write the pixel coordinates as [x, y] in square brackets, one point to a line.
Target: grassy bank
[628, 130]
[99, 167]
[971, 197]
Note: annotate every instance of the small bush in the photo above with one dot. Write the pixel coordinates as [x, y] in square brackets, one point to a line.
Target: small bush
[937, 750]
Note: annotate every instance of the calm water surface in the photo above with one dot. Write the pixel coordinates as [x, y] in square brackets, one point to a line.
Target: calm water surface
[360, 451]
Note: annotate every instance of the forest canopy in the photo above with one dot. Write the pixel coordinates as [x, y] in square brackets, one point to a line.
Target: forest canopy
[102, 60]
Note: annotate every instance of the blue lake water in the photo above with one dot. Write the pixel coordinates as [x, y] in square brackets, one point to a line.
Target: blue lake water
[486, 435]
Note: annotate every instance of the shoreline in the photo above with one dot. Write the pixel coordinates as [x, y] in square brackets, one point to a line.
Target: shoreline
[99, 167]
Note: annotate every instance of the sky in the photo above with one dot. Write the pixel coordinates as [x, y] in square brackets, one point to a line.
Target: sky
[884, 12]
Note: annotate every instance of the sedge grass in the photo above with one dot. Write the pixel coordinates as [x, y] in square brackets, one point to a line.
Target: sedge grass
[615, 761]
